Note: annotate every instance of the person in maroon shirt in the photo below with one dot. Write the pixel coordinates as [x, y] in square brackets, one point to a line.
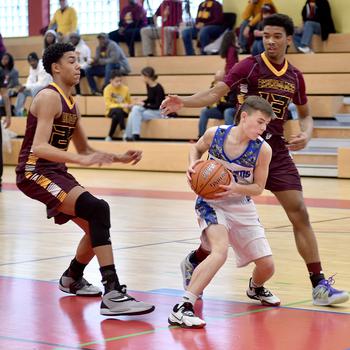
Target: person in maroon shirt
[209, 26]
[53, 121]
[271, 76]
[170, 12]
[132, 18]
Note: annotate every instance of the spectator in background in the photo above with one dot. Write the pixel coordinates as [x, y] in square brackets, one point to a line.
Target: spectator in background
[7, 106]
[170, 12]
[209, 26]
[251, 17]
[109, 56]
[228, 50]
[132, 18]
[64, 20]
[2, 47]
[50, 38]
[224, 109]
[117, 102]
[83, 53]
[145, 110]
[317, 19]
[258, 46]
[37, 80]
[10, 75]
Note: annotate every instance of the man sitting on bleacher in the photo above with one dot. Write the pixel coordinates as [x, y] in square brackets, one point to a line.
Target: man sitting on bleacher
[37, 80]
[109, 56]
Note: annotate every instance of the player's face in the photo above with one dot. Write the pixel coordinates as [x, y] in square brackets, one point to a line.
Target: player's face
[254, 124]
[69, 68]
[275, 41]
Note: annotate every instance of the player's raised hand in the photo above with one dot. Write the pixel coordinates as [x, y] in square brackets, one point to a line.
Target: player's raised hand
[171, 104]
[298, 142]
[130, 156]
[96, 158]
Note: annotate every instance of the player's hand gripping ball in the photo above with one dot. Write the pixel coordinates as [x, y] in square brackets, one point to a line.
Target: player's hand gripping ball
[208, 177]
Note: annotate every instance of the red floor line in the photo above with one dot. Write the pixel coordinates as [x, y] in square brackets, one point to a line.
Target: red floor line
[181, 195]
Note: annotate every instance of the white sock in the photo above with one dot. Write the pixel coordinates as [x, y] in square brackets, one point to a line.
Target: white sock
[189, 297]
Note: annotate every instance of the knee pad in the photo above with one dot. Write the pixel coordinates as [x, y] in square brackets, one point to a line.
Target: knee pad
[96, 212]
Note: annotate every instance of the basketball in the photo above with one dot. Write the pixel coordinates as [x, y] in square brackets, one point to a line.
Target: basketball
[208, 176]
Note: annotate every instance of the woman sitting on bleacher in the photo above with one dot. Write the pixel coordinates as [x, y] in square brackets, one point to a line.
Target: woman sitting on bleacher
[145, 110]
[11, 74]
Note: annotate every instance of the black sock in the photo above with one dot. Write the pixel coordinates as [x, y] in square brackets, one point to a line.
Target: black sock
[315, 279]
[75, 269]
[109, 278]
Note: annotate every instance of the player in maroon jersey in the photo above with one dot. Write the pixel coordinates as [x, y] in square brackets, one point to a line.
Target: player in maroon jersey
[53, 121]
[271, 76]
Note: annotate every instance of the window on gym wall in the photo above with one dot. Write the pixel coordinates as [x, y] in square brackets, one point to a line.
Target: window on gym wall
[94, 16]
[14, 18]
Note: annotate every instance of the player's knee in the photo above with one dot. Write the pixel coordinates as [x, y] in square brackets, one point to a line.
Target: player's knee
[266, 266]
[220, 254]
[96, 212]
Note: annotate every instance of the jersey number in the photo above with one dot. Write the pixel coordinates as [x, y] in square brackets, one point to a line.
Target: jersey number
[279, 103]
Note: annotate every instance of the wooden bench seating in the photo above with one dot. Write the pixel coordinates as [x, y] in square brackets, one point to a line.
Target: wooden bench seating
[320, 106]
[21, 47]
[208, 65]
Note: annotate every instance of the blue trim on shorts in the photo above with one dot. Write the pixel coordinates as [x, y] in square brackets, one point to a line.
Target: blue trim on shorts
[206, 212]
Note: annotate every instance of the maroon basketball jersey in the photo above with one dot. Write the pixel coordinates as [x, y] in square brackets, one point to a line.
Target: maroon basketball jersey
[62, 131]
[277, 84]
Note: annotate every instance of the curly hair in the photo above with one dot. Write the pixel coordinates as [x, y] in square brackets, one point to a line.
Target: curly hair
[54, 53]
[280, 20]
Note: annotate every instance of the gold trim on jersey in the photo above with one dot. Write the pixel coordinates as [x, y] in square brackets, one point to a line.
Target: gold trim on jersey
[269, 65]
[47, 185]
[69, 100]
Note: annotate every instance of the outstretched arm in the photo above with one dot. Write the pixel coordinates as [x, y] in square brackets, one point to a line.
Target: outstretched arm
[201, 99]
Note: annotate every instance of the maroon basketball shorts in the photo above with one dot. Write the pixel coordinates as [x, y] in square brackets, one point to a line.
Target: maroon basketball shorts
[283, 174]
[49, 187]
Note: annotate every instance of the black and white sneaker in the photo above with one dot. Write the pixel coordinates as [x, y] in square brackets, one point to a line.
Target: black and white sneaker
[80, 287]
[118, 303]
[263, 295]
[183, 315]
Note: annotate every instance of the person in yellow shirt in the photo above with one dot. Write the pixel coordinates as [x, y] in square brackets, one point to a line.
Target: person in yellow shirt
[64, 20]
[117, 102]
[251, 17]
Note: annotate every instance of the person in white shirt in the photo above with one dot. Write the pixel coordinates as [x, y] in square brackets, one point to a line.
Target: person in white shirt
[83, 53]
[37, 80]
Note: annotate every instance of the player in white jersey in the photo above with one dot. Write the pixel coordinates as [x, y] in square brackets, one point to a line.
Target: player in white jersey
[232, 217]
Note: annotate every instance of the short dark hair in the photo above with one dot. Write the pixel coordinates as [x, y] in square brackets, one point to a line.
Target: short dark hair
[116, 73]
[280, 20]
[149, 72]
[32, 56]
[255, 103]
[54, 53]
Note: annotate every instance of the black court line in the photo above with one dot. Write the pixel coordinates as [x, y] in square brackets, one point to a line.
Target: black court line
[115, 249]
[312, 222]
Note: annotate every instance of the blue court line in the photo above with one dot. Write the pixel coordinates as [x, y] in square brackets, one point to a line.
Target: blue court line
[23, 340]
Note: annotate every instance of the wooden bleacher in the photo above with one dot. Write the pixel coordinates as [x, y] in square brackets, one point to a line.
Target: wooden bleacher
[326, 75]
